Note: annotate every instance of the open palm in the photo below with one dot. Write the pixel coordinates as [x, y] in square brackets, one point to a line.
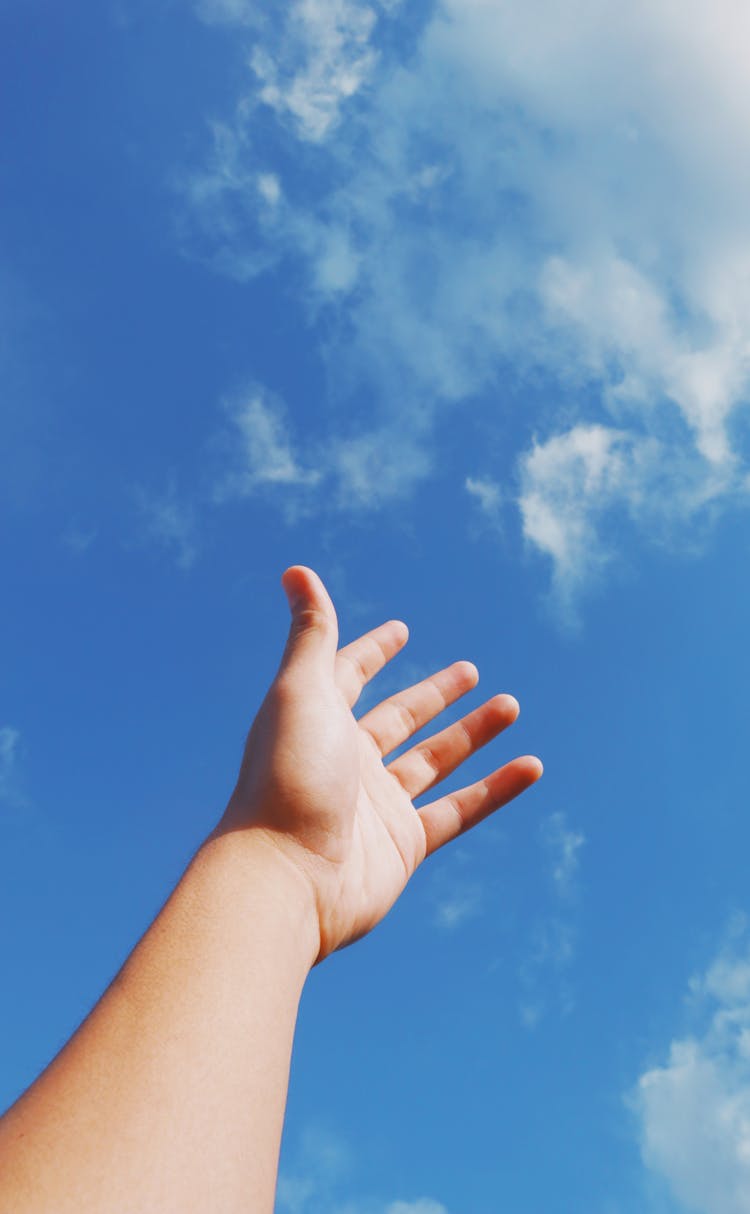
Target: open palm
[315, 779]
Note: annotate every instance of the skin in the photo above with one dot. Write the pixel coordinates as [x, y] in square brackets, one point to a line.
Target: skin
[171, 1095]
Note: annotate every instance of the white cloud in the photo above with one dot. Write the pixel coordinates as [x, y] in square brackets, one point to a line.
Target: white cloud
[563, 846]
[522, 188]
[378, 466]
[233, 207]
[269, 188]
[457, 892]
[78, 539]
[294, 1193]
[694, 1108]
[230, 12]
[322, 1168]
[567, 483]
[577, 486]
[15, 807]
[318, 57]
[488, 495]
[321, 1162]
[545, 984]
[170, 521]
[263, 453]
[462, 903]
[424, 1205]
[619, 317]
[552, 946]
[9, 742]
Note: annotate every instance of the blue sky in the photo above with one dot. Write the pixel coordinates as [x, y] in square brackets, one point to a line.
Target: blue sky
[450, 301]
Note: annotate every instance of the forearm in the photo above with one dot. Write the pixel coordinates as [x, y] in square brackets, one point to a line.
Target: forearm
[171, 1095]
[170, 1098]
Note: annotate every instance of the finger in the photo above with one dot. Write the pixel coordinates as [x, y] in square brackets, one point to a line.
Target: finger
[450, 816]
[400, 716]
[313, 632]
[360, 661]
[431, 761]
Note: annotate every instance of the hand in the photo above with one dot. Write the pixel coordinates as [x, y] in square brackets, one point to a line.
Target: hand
[314, 781]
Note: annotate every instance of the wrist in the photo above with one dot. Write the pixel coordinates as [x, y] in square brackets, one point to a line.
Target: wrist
[266, 890]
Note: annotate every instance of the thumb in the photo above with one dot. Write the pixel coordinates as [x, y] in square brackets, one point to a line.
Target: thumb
[313, 633]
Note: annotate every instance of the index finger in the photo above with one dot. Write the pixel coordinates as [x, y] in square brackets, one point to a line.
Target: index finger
[361, 660]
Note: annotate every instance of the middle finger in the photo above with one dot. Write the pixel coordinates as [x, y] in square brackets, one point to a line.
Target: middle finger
[431, 761]
[397, 718]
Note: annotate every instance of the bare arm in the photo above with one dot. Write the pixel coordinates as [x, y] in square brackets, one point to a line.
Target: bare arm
[171, 1095]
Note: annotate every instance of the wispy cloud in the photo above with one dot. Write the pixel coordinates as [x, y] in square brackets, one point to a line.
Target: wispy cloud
[16, 808]
[489, 497]
[309, 59]
[423, 1205]
[262, 453]
[230, 12]
[322, 1168]
[322, 57]
[563, 846]
[458, 904]
[554, 937]
[551, 950]
[258, 452]
[578, 487]
[170, 521]
[694, 1108]
[263, 449]
[459, 892]
[9, 746]
[503, 190]
[78, 539]
[321, 1161]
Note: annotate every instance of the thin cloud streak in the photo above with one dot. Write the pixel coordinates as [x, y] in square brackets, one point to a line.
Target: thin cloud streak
[9, 749]
[554, 938]
[170, 521]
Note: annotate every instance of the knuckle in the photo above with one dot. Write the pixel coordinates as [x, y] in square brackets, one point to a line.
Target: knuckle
[406, 716]
[430, 759]
[284, 687]
[310, 619]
